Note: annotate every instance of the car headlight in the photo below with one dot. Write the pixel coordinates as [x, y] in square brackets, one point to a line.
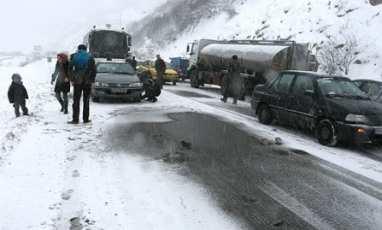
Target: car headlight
[355, 118]
[136, 85]
[97, 83]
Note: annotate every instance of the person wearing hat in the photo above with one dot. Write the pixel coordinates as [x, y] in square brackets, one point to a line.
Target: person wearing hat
[62, 86]
[82, 72]
[17, 94]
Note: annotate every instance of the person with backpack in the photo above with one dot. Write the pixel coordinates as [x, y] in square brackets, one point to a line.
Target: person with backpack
[62, 86]
[152, 90]
[82, 72]
[17, 94]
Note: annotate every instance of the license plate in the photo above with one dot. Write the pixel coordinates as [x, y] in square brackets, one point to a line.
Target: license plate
[378, 131]
[119, 90]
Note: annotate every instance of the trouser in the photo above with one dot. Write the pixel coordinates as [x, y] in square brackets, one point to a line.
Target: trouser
[78, 89]
[160, 79]
[63, 100]
[17, 106]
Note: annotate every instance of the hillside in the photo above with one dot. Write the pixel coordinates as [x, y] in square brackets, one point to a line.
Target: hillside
[320, 23]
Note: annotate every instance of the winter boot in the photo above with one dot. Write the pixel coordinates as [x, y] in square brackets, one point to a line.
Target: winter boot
[62, 105]
[65, 106]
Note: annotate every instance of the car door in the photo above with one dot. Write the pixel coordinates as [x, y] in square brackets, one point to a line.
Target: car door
[300, 103]
[277, 94]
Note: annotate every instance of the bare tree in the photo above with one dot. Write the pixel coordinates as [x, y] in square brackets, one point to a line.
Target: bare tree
[338, 53]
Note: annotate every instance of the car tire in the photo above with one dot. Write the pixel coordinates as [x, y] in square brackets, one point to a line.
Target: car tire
[326, 133]
[265, 115]
[95, 99]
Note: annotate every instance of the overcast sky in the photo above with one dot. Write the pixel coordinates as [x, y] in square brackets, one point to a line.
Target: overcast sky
[48, 23]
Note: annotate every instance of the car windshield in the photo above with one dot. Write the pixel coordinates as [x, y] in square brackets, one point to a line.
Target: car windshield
[122, 68]
[338, 87]
[169, 66]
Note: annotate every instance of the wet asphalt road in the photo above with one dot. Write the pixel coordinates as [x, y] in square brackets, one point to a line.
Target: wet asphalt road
[266, 187]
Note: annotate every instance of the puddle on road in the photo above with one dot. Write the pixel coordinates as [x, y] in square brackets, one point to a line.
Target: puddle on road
[189, 94]
[205, 133]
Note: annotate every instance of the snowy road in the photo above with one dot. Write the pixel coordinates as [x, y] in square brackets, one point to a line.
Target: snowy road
[110, 174]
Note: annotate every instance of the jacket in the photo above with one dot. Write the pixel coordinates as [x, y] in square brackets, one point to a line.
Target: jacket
[82, 68]
[61, 72]
[17, 93]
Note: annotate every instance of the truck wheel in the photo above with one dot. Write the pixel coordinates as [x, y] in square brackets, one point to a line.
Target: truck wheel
[194, 80]
[265, 115]
[95, 99]
[326, 133]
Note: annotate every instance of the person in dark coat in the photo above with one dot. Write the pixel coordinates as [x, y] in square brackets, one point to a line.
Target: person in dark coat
[133, 63]
[17, 94]
[61, 76]
[233, 80]
[160, 67]
[152, 90]
[82, 72]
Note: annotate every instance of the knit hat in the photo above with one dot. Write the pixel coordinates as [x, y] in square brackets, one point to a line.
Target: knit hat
[82, 47]
[16, 78]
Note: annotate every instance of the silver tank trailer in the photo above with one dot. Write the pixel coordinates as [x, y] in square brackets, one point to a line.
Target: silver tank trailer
[253, 57]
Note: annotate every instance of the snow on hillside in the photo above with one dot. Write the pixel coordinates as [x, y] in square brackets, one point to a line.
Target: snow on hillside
[303, 21]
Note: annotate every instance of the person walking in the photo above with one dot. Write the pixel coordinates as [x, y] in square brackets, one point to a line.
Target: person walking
[160, 67]
[17, 94]
[82, 72]
[233, 80]
[61, 76]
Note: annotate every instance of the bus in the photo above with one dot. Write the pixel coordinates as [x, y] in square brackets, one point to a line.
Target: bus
[107, 43]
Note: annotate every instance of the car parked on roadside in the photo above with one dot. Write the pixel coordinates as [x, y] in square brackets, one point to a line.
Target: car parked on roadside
[116, 80]
[147, 71]
[372, 88]
[331, 106]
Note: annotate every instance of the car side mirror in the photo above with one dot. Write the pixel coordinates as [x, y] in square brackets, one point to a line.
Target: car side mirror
[310, 93]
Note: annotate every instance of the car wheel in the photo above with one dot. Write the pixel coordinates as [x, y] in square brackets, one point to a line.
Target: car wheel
[95, 99]
[265, 115]
[326, 133]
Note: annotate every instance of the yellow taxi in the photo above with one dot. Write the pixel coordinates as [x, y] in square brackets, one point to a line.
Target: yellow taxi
[147, 70]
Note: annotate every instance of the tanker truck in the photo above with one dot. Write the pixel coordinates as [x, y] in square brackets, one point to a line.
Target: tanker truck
[258, 58]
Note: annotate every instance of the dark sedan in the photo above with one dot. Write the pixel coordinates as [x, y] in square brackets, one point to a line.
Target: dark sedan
[331, 106]
[372, 88]
[116, 80]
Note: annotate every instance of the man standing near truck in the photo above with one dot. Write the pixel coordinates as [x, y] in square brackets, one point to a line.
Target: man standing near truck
[160, 67]
[233, 80]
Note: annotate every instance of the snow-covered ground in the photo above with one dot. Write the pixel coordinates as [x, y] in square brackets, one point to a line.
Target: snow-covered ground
[51, 171]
